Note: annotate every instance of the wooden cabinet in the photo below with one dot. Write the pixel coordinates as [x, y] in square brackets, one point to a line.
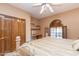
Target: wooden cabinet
[35, 29]
[10, 28]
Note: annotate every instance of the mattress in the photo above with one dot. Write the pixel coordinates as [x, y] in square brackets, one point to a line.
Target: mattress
[50, 47]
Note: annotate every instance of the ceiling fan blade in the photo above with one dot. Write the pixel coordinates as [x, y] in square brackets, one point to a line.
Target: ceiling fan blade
[37, 4]
[55, 4]
[42, 10]
[50, 8]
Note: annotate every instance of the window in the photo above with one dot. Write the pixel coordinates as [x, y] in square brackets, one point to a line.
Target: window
[56, 32]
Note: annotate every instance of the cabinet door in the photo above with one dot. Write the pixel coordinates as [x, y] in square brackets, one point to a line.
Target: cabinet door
[18, 29]
[14, 24]
[7, 34]
[21, 31]
[1, 36]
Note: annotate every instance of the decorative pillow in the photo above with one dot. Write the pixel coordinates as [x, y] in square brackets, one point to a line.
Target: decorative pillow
[23, 51]
[75, 45]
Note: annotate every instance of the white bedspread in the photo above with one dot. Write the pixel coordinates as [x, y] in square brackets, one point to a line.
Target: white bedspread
[51, 47]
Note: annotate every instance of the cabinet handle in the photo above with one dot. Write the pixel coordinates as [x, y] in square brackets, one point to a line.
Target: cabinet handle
[2, 38]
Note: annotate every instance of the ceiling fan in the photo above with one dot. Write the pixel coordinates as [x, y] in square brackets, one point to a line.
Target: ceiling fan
[46, 5]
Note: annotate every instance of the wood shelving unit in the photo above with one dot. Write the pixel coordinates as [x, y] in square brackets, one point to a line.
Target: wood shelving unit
[35, 29]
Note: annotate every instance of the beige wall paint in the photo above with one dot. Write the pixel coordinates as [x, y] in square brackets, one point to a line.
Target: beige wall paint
[69, 19]
[12, 11]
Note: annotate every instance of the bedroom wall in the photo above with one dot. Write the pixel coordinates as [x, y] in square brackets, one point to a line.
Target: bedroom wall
[69, 19]
[13, 11]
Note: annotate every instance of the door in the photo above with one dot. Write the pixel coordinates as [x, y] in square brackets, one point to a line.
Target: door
[14, 34]
[18, 29]
[21, 31]
[7, 34]
[1, 36]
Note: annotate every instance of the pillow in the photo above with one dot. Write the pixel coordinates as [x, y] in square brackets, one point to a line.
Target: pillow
[75, 45]
[12, 54]
[23, 51]
[19, 52]
[26, 49]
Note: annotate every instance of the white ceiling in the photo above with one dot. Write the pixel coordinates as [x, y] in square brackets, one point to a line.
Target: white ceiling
[35, 11]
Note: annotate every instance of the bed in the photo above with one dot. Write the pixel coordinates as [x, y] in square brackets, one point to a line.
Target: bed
[46, 47]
